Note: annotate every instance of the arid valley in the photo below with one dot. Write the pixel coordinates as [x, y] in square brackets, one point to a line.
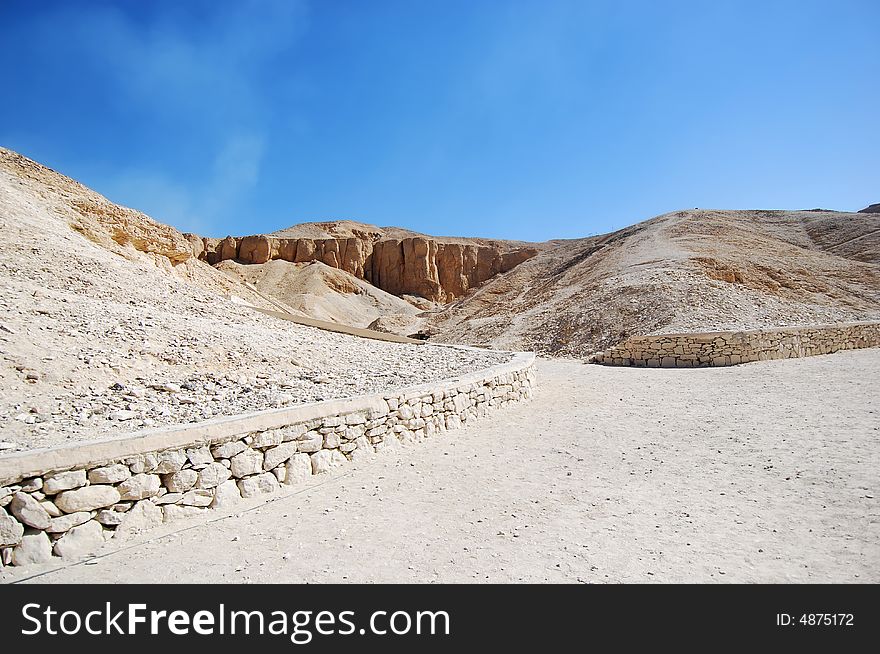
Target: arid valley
[343, 402]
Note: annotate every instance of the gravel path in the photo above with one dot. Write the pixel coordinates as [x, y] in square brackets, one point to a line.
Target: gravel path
[766, 472]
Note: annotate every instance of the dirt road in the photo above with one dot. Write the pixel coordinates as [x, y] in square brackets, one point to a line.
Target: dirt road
[761, 472]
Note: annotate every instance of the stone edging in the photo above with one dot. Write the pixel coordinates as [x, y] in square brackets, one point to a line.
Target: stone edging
[65, 501]
[700, 349]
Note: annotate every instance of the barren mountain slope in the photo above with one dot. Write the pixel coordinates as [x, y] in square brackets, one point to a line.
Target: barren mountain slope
[684, 271]
[319, 291]
[99, 338]
[855, 237]
[123, 231]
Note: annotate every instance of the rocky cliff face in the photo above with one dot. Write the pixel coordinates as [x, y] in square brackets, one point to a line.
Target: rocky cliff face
[436, 269]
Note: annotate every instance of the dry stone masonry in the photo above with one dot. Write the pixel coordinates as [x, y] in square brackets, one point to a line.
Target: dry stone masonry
[730, 348]
[67, 501]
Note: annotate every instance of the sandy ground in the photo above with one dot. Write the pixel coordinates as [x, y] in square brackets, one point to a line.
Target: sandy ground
[765, 472]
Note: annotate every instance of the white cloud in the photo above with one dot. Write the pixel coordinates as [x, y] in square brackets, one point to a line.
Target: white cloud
[192, 207]
[198, 65]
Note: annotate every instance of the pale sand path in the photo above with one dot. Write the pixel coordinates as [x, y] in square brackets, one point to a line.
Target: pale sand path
[762, 472]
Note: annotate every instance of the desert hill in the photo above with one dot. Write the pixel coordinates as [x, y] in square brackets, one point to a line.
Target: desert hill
[691, 270]
[108, 324]
[316, 290]
[683, 271]
[338, 229]
[36, 197]
[341, 229]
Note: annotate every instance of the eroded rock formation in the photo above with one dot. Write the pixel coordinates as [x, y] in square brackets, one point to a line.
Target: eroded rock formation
[419, 265]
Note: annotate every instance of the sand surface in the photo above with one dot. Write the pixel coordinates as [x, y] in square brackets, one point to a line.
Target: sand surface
[765, 472]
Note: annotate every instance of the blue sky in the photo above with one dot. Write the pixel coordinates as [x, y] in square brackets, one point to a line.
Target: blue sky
[525, 120]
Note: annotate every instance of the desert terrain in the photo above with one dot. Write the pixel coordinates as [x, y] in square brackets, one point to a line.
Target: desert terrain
[109, 324]
[695, 270]
[112, 324]
[607, 475]
[686, 271]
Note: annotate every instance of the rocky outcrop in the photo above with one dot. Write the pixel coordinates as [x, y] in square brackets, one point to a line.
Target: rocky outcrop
[102, 221]
[419, 265]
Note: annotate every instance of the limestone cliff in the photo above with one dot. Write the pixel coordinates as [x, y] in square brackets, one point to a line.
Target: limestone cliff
[396, 261]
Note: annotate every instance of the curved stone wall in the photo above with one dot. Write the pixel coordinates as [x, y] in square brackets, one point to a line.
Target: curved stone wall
[730, 348]
[66, 501]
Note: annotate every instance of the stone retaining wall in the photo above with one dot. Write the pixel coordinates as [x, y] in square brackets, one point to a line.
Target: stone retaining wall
[66, 501]
[729, 348]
